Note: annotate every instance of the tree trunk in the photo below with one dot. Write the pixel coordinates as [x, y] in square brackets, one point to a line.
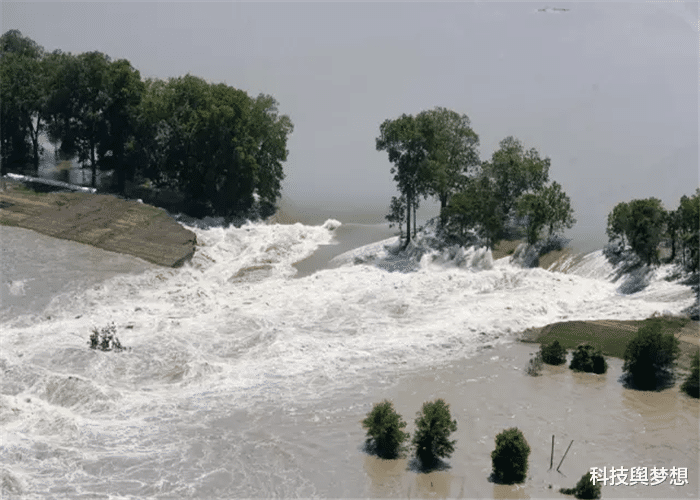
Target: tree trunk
[34, 132]
[443, 206]
[93, 165]
[408, 219]
[414, 222]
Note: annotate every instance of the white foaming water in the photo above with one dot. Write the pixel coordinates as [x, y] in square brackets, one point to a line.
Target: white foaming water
[231, 333]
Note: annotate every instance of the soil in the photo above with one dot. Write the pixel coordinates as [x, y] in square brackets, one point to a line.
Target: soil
[103, 221]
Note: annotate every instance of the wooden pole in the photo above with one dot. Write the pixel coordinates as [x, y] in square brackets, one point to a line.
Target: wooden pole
[562, 458]
[551, 457]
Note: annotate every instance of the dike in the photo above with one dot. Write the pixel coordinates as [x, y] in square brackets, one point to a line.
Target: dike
[103, 221]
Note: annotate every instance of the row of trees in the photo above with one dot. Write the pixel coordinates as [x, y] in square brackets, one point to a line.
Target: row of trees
[211, 142]
[640, 226]
[434, 154]
[431, 441]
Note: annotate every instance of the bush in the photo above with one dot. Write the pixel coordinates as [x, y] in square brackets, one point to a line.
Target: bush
[553, 354]
[650, 356]
[384, 434]
[587, 358]
[691, 383]
[433, 428]
[535, 365]
[510, 457]
[584, 488]
[105, 339]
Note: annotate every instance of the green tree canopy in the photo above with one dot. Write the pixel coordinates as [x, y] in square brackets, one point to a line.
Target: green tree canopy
[650, 356]
[22, 100]
[404, 142]
[515, 171]
[451, 148]
[434, 425]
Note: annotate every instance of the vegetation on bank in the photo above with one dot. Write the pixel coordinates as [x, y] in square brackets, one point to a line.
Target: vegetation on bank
[650, 357]
[650, 349]
[587, 358]
[216, 147]
[638, 228]
[434, 154]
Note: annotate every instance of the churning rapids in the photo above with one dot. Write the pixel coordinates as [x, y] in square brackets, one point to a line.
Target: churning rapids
[225, 350]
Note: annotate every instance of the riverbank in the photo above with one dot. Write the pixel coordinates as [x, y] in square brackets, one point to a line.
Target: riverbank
[612, 336]
[103, 221]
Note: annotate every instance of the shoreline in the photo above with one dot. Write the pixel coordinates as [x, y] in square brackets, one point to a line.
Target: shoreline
[100, 220]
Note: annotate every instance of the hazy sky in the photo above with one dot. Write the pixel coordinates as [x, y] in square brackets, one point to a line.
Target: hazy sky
[609, 91]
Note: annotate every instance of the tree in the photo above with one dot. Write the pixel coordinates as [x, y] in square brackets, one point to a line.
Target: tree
[585, 488]
[452, 154]
[646, 226]
[213, 143]
[650, 356]
[384, 430]
[689, 230]
[549, 207]
[397, 213]
[124, 90]
[587, 358]
[553, 354]
[476, 207]
[510, 458]
[692, 383]
[22, 99]
[515, 171]
[433, 428]
[619, 223]
[270, 133]
[405, 144]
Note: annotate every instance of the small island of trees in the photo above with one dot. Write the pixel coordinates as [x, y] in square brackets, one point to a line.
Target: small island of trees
[434, 154]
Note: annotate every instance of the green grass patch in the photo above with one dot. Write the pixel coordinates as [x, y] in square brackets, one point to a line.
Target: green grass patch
[612, 340]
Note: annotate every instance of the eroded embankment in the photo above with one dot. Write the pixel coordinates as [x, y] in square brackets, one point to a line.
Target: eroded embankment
[103, 221]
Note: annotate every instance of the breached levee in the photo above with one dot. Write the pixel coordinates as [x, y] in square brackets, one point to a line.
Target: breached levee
[103, 221]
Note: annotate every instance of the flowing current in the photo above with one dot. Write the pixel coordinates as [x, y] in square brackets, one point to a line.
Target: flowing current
[242, 380]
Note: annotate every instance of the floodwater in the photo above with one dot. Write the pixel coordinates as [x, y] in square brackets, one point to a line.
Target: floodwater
[242, 379]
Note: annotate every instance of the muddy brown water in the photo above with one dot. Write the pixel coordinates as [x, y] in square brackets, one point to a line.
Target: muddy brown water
[610, 426]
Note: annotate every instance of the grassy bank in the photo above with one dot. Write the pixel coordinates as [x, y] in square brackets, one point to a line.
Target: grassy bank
[612, 336]
[103, 221]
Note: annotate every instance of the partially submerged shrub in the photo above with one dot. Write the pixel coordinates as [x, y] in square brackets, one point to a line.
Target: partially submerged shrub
[105, 339]
[553, 354]
[535, 365]
[587, 358]
[691, 384]
[584, 488]
[509, 459]
[433, 428]
[384, 434]
[650, 356]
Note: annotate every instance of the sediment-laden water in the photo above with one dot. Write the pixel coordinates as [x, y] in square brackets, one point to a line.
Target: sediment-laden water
[241, 380]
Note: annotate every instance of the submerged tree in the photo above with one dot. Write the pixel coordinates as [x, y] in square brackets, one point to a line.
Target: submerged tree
[510, 458]
[384, 430]
[433, 428]
[650, 356]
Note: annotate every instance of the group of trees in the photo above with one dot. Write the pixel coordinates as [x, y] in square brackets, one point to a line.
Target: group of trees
[434, 154]
[640, 226]
[213, 143]
[649, 359]
[434, 424]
